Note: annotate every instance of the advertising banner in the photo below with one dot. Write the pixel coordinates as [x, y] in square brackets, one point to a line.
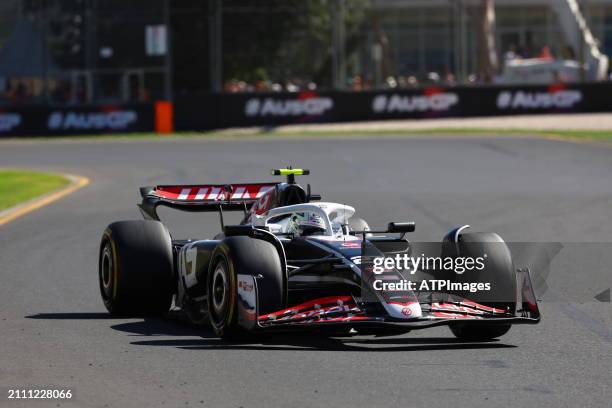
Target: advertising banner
[77, 120]
[201, 112]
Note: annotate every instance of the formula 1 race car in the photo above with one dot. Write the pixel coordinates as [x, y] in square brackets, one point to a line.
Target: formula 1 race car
[297, 263]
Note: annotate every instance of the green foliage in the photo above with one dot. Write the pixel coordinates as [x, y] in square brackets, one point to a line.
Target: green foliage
[283, 39]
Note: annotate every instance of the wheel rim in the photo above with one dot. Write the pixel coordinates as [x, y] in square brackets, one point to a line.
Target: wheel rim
[219, 290]
[196, 312]
[106, 270]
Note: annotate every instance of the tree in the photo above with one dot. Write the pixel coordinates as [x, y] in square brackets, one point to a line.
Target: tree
[282, 39]
[488, 62]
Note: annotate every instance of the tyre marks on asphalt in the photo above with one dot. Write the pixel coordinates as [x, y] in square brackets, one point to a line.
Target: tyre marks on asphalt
[587, 321]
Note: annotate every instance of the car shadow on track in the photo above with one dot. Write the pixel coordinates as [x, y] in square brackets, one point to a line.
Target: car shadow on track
[202, 338]
[206, 340]
[311, 342]
[72, 316]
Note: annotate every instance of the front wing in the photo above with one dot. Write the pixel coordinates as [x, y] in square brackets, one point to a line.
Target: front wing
[349, 311]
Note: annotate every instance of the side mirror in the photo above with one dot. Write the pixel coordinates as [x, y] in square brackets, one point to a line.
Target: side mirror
[401, 227]
[311, 197]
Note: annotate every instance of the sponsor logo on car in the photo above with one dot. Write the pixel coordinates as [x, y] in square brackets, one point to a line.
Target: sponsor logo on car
[406, 311]
[306, 104]
[246, 286]
[554, 98]
[265, 202]
[213, 192]
[113, 120]
[432, 100]
[9, 121]
[317, 313]
[350, 244]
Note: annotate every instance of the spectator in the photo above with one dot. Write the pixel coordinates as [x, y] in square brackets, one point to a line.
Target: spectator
[450, 79]
[21, 94]
[511, 54]
[433, 77]
[546, 54]
[391, 82]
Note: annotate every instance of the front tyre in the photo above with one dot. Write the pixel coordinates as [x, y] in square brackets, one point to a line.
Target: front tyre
[242, 255]
[222, 295]
[479, 332]
[499, 272]
[135, 268]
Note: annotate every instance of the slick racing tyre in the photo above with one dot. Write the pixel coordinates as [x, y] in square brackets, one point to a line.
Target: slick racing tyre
[499, 272]
[242, 255]
[480, 332]
[135, 268]
[359, 224]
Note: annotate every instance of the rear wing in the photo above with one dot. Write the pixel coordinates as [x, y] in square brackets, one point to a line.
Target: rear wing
[202, 198]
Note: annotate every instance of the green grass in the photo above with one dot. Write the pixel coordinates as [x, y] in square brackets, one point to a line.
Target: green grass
[564, 134]
[17, 186]
[584, 135]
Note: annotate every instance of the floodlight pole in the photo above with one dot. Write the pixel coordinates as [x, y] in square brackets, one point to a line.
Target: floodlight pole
[168, 60]
[460, 40]
[45, 43]
[215, 41]
[338, 43]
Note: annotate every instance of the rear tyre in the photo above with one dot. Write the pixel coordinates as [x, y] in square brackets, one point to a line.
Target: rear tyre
[499, 272]
[243, 255]
[135, 268]
[196, 312]
[358, 224]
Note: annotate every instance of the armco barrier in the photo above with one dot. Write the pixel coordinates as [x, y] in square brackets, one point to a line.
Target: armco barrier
[77, 120]
[201, 112]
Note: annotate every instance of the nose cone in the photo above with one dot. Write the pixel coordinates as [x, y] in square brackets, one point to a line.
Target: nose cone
[403, 310]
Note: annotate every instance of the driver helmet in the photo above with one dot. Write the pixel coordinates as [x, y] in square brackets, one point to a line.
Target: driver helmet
[308, 223]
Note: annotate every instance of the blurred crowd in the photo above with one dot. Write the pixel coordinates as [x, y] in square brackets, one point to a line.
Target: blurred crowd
[293, 85]
[23, 91]
[545, 53]
[355, 83]
[15, 92]
[367, 82]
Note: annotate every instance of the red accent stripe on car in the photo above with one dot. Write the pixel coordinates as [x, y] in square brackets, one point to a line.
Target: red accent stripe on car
[211, 192]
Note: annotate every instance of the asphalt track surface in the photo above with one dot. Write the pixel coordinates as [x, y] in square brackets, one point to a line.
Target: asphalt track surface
[55, 333]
